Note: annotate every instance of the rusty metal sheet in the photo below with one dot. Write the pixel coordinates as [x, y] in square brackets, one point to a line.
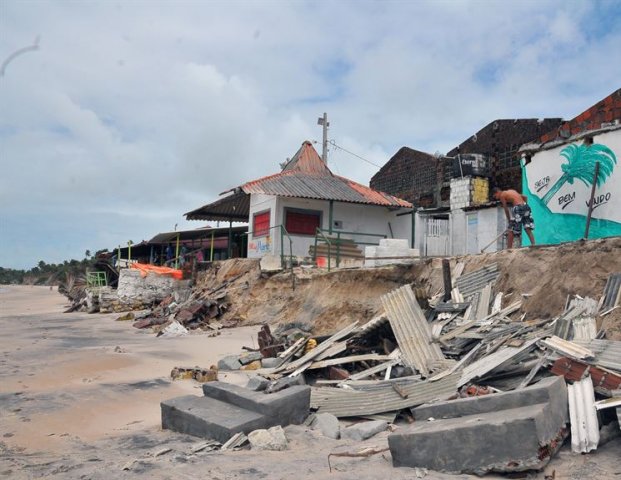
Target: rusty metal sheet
[381, 397]
[307, 176]
[607, 352]
[412, 332]
[603, 381]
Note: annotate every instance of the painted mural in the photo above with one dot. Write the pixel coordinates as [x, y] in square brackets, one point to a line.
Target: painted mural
[261, 245]
[558, 185]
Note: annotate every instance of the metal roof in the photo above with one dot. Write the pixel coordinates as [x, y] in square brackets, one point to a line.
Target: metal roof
[607, 352]
[234, 208]
[412, 332]
[612, 291]
[474, 281]
[198, 233]
[381, 397]
[304, 176]
[583, 416]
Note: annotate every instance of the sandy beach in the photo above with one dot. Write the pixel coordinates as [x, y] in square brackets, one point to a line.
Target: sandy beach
[80, 393]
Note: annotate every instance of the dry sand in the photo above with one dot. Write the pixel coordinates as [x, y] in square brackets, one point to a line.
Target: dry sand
[73, 407]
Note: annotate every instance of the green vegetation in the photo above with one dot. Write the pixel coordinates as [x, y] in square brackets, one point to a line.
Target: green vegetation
[47, 273]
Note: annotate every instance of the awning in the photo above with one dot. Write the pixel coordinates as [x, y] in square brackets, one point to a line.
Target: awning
[233, 208]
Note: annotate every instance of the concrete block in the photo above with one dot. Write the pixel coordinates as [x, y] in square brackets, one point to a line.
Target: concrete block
[271, 362]
[290, 405]
[250, 357]
[286, 382]
[257, 384]
[509, 440]
[364, 430]
[270, 439]
[328, 424]
[230, 362]
[551, 390]
[209, 418]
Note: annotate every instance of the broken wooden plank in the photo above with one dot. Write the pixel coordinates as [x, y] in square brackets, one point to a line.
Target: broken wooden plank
[315, 352]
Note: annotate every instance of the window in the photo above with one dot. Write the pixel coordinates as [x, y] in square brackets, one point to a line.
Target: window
[302, 222]
[261, 224]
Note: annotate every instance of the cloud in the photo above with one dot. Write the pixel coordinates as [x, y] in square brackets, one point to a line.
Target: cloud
[131, 114]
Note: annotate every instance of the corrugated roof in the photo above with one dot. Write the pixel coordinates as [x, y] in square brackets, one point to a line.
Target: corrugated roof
[607, 352]
[492, 361]
[235, 208]
[306, 176]
[474, 281]
[412, 332]
[583, 416]
[381, 397]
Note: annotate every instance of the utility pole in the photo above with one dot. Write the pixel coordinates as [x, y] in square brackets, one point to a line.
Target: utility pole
[324, 122]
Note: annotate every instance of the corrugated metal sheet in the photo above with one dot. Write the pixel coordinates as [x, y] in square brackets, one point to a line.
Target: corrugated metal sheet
[381, 397]
[567, 348]
[412, 332]
[584, 328]
[486, 364]
[607, 352]
[475, 281]
[235, 207]
[612, 291]
[604, 381]
[583, 416]
[305, 176]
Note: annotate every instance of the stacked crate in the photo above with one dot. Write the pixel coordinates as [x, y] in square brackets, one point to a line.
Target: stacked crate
[469, 191]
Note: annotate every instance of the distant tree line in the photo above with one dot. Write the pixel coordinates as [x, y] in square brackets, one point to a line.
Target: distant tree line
[47, 273]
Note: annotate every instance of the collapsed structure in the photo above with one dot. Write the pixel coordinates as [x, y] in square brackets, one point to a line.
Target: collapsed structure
[461, 366]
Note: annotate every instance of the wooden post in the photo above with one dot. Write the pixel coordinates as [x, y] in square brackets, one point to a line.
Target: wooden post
[446, 272]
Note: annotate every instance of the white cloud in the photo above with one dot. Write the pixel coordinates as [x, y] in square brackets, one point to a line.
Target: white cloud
[131, 114]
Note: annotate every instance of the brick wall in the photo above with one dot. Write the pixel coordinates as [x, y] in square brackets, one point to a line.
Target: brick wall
[606, 111]
[411, 175]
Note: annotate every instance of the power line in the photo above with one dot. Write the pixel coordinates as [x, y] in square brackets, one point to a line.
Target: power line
[333, 143]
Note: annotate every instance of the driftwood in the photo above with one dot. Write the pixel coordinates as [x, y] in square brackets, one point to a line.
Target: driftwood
[365, 452]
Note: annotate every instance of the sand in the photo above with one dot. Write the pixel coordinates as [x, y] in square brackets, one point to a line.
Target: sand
[71, 406]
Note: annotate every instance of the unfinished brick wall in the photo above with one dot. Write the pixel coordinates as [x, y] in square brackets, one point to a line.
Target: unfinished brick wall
[500, 140]
[411, 175]
[606, 111]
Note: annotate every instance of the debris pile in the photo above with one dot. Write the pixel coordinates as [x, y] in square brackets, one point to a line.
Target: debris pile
[464, 345]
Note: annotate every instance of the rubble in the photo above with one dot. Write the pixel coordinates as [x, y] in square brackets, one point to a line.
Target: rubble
[271, 439]
[467, 366]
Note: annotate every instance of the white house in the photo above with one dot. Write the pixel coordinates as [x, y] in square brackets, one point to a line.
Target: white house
[306, 203]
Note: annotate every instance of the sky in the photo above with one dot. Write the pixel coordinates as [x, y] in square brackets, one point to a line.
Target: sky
[130, 114]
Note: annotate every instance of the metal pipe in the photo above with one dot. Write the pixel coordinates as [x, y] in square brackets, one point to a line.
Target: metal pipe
[331, 217]
[177, 252]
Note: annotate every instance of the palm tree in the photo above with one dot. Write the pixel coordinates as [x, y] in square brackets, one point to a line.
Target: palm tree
[581, 160]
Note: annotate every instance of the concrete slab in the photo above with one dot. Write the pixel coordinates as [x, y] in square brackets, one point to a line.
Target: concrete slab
[551, 389]
[290, 405]
[210, 418]
[509, 440]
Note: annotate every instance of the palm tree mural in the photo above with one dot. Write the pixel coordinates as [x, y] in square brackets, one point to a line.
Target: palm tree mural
[581, 160]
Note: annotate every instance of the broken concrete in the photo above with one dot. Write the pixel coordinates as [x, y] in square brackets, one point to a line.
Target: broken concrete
[209, 418]
[271, 439]
[362, 431]
[511, 431]
[287, 406]
[551, 389]
[228, 409]
[517, 439]
[257, 384]
[230, 362]
[328, 425]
